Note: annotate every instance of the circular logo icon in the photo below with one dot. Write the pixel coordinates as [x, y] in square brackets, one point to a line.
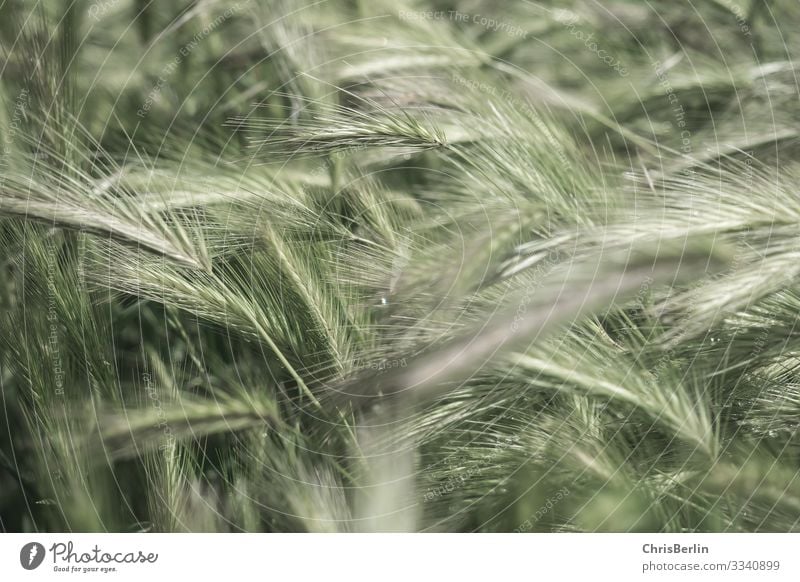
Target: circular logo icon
[31, 555]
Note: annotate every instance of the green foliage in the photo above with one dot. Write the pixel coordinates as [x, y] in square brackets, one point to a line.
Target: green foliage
[399, 266]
